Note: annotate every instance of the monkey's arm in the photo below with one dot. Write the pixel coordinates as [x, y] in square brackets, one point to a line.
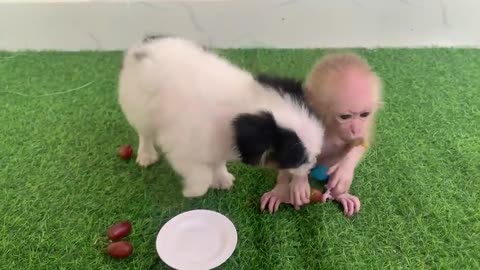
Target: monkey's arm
[355, 155]
[342, 173]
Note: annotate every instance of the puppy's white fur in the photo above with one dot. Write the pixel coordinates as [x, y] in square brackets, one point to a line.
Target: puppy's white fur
[183, 99]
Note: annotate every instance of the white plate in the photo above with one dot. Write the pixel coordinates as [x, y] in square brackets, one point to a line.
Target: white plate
[197, 239]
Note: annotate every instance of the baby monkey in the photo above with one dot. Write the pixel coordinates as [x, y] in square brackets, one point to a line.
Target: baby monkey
[346, 94]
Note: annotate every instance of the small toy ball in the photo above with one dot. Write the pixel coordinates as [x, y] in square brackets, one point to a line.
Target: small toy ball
[315, 196]
[125, 152]
[319, 173]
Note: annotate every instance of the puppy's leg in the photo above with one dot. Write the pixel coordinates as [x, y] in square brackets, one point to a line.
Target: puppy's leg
[197, 180]
[147, 154]
[222, 179]
[197, 177]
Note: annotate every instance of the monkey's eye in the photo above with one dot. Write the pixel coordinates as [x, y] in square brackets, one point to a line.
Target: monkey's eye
[365, 114]
[345, 116]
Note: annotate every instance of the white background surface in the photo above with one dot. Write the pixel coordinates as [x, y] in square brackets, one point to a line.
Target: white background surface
[114, 25]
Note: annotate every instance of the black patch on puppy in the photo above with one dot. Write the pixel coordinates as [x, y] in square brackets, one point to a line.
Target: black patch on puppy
[150, 38]
[257, 134]
[253, 135]
[288, 150]
[284, 86]
[140, 55]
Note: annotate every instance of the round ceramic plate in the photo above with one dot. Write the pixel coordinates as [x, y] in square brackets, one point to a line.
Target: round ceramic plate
[197, 239]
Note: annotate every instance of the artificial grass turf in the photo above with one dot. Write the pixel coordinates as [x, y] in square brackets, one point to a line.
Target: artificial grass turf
[62, 185]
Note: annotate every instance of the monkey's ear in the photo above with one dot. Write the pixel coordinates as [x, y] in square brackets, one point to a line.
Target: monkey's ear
[254, 135]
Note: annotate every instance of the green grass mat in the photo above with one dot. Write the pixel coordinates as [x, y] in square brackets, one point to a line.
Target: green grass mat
[62, 185]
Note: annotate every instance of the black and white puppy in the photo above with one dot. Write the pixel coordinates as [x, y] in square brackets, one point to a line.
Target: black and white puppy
[202, 111]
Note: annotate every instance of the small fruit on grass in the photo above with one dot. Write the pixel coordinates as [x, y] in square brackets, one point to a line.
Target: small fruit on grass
[315, 196]
[119, 230]
[120, 250]
[125, 152]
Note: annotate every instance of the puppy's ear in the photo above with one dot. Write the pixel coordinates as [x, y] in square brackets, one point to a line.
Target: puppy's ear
[288, 151]
[254, 136]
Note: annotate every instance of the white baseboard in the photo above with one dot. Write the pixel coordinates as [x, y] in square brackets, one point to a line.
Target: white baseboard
[114, 25]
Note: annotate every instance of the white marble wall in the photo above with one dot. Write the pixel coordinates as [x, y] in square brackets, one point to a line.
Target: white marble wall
[112, 25]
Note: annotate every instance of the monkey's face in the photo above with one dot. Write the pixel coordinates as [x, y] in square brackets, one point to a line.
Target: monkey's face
[351, 117]
[352, 125]
[353, 105]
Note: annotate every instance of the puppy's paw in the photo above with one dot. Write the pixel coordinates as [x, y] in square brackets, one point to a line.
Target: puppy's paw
[194, 191]
[145, 159]
[223, 181]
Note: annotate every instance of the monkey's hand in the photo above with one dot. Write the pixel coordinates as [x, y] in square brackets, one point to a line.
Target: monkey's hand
[350, 203]
[299, 191]
[340, 178]
[278, 195]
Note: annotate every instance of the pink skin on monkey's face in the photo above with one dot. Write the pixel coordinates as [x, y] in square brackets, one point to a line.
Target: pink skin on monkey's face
[351, 125]
[354, 106]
